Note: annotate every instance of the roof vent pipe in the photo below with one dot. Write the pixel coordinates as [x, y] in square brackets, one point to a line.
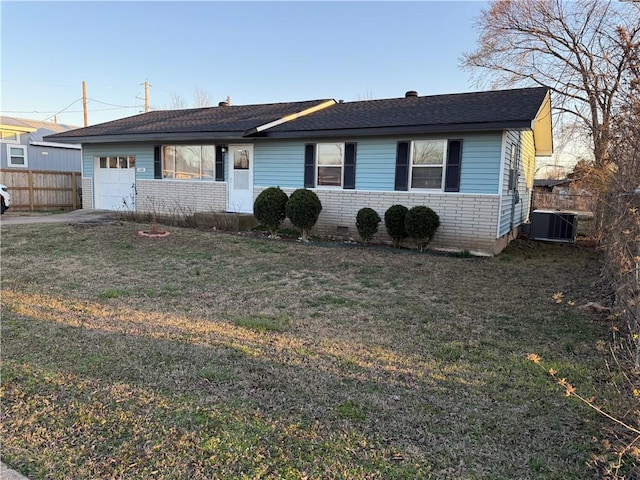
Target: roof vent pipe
[411, 93]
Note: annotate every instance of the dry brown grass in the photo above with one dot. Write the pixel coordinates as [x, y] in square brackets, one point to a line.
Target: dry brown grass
[206, 355]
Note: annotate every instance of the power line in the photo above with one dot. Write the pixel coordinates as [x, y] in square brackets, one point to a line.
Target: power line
[65, 108]
[113, 105]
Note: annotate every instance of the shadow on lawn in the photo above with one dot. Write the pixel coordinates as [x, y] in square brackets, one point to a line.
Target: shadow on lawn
[236, 402]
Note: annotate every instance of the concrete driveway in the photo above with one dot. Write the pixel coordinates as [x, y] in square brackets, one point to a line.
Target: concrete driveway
[75, 216]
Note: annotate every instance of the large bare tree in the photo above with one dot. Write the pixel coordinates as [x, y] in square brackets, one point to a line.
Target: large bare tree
[578, 49]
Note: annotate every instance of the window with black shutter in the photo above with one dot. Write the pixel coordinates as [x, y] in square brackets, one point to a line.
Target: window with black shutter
[309, 165]
[349, 175]
[220, 154]
[157, 162]
[454, 165]
[402, 166]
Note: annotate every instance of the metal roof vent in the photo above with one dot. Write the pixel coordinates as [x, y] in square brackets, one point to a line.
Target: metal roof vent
[411, 93]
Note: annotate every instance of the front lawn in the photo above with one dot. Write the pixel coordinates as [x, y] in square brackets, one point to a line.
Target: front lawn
[207, 355]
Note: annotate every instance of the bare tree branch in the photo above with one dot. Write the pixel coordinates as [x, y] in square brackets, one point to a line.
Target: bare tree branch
[572, 48]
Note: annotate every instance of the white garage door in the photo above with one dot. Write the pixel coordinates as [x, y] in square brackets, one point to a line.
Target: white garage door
[115, 183]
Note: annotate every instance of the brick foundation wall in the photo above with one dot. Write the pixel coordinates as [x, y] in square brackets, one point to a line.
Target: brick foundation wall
[467, 222]
[87, 192]
[179, 197]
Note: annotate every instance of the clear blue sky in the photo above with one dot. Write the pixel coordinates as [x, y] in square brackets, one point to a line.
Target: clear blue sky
[253, 52]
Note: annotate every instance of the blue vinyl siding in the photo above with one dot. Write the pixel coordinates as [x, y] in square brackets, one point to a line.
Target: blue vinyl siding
[278, 164]
[513, 215]
[376, 165]
[142, 152]
[47, 158]
[282, 163]
[480, 171]
[54, 158]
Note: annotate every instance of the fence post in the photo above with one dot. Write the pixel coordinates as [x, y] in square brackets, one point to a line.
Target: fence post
[74, 191]
[30, 184]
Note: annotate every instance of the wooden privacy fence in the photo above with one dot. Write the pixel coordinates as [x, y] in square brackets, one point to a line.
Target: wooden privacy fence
[42, 190]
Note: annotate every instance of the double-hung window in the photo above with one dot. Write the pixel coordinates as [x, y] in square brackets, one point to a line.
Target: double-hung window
[330, 163]
[189, 162]
[427, 163]
[16, 155]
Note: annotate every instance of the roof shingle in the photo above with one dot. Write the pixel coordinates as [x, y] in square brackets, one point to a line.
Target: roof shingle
[497, 109]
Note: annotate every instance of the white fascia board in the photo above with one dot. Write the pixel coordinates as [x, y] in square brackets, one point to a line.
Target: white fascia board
[57, 145]
[293, 116]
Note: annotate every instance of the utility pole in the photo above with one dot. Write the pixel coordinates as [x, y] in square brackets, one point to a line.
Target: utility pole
[84, 103]
[146, 96]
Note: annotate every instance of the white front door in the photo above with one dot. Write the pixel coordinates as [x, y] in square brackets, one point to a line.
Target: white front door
[115, 183]
[240, 179]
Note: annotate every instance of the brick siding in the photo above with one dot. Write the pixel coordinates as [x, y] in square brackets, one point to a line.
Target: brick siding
[179, 197]
[87, 192]
[467, 222]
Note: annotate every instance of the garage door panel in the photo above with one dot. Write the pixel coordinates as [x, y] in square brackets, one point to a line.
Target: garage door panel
[116, 183]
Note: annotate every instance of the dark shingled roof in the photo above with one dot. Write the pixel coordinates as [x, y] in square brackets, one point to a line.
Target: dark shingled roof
[491, 110]
[231, 120]
[464, 111]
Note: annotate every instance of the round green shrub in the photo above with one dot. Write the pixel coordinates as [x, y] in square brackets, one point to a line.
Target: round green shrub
[421, 224]
[367, 221]
[303, 209]
[394, 223]
[269, 208]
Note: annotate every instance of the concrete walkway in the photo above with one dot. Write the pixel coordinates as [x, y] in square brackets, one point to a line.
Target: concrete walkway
[7, 474]
[75, 216]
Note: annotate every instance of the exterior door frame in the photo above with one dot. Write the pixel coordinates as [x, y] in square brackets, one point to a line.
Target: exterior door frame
[240, 188]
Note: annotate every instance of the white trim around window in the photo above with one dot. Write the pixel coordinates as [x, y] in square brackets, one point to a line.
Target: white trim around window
[17, 155]
[428, 162]
[329, 165]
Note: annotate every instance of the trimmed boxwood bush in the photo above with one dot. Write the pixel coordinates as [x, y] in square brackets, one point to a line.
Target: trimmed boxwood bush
[421, 223]
[367, 221]
[303, 209]
[269, 208]
[394, 222]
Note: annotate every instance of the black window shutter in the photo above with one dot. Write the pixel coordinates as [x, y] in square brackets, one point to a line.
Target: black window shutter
[454, 162]
[402, 166]
[220, 162]
[349, 174]
[157, 162]
[309, 165]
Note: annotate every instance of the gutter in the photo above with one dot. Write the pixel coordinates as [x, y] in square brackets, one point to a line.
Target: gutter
[74, 146]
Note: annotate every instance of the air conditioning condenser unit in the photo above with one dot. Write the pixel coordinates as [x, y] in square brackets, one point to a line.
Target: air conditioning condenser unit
[553, 226]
